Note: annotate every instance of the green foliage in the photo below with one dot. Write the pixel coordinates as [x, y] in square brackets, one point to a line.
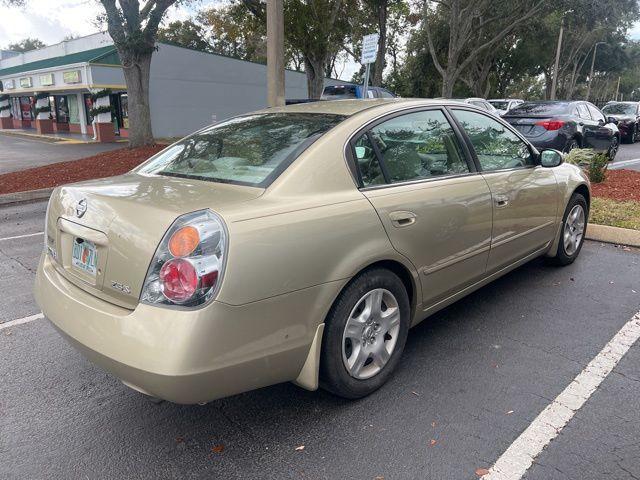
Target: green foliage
[26, 45]
[43, 109]
[94, 112]
[105, 92]
[580, 156]
[597, 169]
[186, 34]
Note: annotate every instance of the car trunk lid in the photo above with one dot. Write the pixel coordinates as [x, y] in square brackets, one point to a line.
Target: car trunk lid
[103, 234]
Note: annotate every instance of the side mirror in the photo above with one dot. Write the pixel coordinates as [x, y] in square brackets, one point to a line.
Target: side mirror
[550, 158]
[612, 120]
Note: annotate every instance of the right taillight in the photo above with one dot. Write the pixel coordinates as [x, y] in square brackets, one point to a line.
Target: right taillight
[188, 265]
[551, 124]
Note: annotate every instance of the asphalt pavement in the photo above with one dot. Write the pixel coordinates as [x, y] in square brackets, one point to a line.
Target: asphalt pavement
[19, 153]
[628, 157]
[472, 379]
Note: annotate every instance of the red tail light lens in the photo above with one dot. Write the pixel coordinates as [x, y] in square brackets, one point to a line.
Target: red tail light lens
[551, 124]
[189, 262]
[178, 280]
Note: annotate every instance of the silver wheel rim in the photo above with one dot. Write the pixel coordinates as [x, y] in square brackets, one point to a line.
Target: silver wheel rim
[574, 230]
[371, 334]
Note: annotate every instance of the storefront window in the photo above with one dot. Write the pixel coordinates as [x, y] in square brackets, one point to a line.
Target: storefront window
[88, 105]
[74, 110]
[52, 105]
[15, 108]
[25, 108]
[124, 106]
[62, 109]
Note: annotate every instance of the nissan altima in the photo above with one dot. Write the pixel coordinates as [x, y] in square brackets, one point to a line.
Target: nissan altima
[299, 244]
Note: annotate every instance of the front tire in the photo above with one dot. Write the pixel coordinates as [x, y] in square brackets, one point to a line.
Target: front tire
[365, 333]
[574, 226]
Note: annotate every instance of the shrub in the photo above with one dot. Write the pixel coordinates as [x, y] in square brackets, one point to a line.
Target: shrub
[580, 156]
[598, 168]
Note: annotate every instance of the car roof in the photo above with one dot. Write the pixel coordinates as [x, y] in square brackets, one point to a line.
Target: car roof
[351, 107]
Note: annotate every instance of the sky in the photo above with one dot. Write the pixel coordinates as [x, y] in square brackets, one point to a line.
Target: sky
[52, 20]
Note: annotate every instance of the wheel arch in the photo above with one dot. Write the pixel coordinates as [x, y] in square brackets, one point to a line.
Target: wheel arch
[308, 377]
[583, 190]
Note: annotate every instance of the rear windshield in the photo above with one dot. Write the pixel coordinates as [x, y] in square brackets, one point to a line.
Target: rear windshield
[526, 109]
[499, 105]
[339, 92]
[619, 109]
[250, 150]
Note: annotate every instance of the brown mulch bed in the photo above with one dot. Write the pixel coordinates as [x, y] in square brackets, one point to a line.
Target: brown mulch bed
[621, 185]
[106, 164]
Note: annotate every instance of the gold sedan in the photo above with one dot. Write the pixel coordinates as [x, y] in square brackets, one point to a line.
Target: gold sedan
[299, 244]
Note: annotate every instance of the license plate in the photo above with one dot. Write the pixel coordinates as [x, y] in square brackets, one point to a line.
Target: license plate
[85, 256]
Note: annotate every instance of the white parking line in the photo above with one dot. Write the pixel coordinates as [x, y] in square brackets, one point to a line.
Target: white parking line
[624, 163]
[517, 459]
[21, 236]
[20, 321]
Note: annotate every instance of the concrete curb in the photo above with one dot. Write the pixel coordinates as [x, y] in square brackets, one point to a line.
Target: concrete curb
[616, 235]
[25, 197]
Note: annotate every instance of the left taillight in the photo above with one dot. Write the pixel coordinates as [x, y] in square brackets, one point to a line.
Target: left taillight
[187, 267]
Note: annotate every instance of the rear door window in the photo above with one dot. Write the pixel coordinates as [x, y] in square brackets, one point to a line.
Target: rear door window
[339, 92]
[583, 111]
[596, 114]
[414, 146]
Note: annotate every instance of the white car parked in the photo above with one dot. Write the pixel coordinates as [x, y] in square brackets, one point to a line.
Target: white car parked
[503, 105]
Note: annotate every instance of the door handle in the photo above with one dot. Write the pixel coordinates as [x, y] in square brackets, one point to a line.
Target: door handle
[402, 218]
[501, 201]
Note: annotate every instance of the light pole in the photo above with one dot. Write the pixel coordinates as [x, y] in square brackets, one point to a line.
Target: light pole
[275, 53]
[593, 61]
[554, 82]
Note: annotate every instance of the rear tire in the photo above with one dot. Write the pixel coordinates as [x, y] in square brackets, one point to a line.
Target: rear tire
[362, 344]
[573, 229]
[613, 148]
[573, 143]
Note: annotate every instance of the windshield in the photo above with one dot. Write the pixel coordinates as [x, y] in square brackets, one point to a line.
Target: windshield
[620, 109]
[542, 108]
[251, 150]
[499, 105]
[339, 92]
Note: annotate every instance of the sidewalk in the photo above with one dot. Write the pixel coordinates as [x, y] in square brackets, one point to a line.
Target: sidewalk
[59, 137]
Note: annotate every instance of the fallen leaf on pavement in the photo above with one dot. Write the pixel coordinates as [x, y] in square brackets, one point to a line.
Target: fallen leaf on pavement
[217, 448]
[415, 393]
[179, 440]
[481, 471]
[432, 442]
[300, 448]
[433, 424]
[509, 412]
[380, 477]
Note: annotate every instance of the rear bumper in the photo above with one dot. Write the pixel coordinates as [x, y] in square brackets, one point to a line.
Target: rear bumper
[549, 140]
[188, 356]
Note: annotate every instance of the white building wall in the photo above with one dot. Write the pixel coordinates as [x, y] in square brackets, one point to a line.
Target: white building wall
[59, 49]
[188, 88]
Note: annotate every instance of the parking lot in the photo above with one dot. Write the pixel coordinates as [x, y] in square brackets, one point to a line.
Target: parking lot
[472, 379]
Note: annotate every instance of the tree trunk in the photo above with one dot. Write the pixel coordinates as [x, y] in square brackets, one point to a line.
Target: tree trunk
[448, 81]
[136, 73]
[315, 77]
[382, 44]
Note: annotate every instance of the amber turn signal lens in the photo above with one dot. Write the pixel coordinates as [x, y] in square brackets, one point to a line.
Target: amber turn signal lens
[184, 241]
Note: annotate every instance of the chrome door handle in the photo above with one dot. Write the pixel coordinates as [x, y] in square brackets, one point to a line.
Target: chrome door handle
[402, 218]
[501, 201]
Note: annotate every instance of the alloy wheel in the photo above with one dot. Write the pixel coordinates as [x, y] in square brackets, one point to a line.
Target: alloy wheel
[371, 333]
[574, 230]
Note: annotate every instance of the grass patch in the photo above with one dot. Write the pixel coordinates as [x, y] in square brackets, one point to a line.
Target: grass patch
[605, 211]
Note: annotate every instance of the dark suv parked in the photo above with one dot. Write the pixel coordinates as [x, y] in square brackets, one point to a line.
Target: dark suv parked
[628, 116]
[565, 125]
